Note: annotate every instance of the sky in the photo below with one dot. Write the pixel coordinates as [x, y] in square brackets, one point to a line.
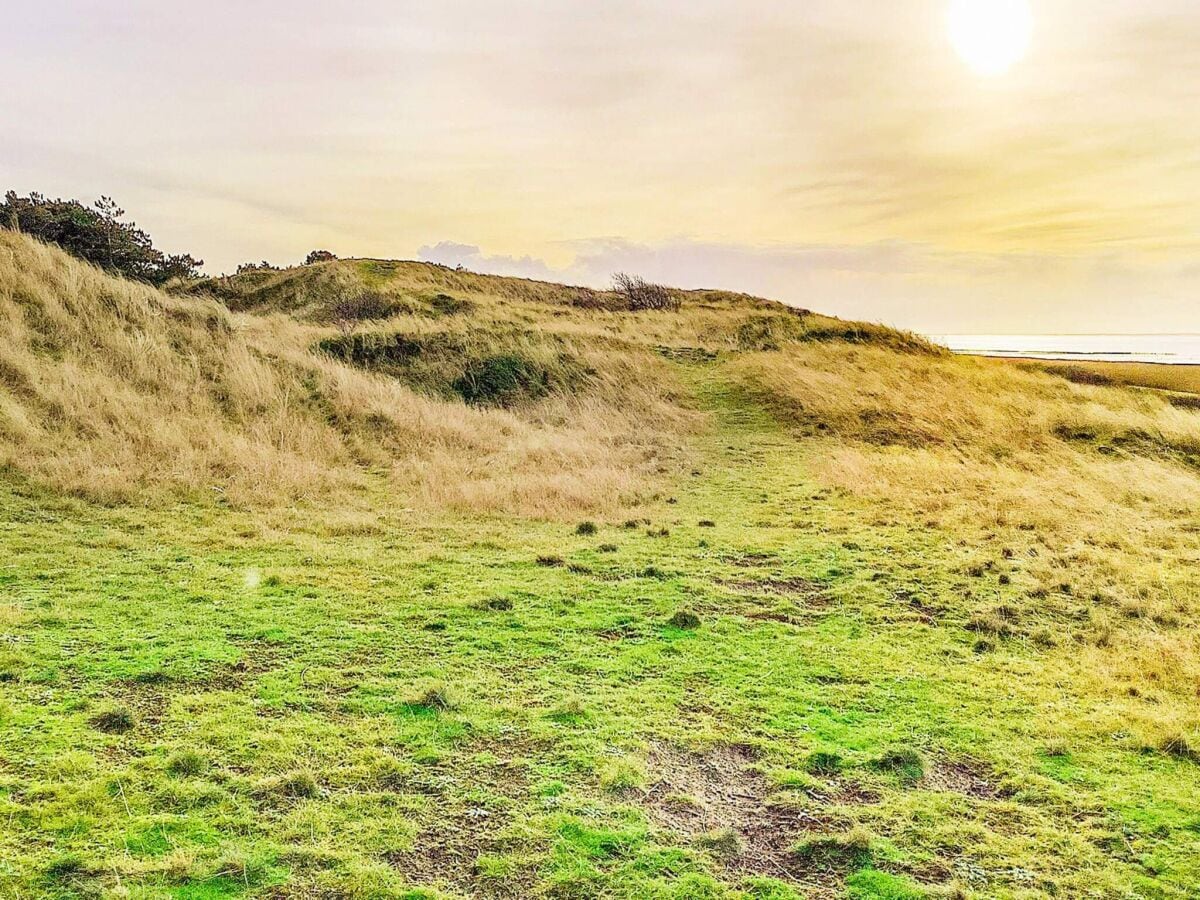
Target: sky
[839, 155]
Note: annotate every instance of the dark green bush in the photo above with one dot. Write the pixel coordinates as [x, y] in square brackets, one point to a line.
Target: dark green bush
[372, 350]
[96, 233]
[446, 305]
[503, 380]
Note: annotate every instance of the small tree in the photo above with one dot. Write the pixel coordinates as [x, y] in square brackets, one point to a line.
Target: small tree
[641, 294]
[319, 256]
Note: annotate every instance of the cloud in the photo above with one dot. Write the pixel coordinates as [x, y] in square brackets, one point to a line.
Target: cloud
[449, 253]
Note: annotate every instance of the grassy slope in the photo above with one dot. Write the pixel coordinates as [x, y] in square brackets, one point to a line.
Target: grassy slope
[376, 699]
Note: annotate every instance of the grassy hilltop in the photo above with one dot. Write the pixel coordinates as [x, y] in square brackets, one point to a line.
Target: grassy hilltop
[377, 579]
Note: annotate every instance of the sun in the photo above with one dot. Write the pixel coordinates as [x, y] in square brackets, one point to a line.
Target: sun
[990, 35]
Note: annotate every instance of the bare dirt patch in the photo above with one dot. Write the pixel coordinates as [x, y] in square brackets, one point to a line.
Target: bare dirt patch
[962, 776]
[716, 799]
[446, 851]
[781, 587]
[753, 560]
[787, 600]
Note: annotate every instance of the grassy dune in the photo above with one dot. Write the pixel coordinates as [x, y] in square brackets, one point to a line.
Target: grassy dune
[521, 593]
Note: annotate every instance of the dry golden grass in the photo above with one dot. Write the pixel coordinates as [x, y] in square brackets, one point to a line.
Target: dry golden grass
[1087, 495]
[1184, 379]
[117, 392]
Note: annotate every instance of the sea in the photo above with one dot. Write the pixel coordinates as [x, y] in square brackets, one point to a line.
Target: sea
[1167, 349]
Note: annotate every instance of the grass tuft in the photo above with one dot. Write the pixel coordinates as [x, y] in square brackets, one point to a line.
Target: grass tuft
[187, 763]
[114, 720]
[835, 852]
[684, 620]
[905, 764]
[823, 763]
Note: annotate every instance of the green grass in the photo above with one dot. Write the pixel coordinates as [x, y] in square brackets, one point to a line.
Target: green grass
[418, 705]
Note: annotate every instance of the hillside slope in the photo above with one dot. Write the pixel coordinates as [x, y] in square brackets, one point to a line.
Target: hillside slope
[116, 391]
[389, 581]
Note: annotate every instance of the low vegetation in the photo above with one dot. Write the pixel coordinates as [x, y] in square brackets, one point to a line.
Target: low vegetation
[504, 588]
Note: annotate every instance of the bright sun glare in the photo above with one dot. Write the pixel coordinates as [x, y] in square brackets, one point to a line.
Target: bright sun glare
[990, 35]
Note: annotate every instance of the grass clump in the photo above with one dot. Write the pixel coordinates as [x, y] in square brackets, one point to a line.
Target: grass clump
[685, 620]
[905, 764]
[187, 763]
[571, 711]
[823, 763]
[495, 604]
[835, 852]
[301, 785]
[723, 843]
[1180, 746]
[434, 697]
[66, 865]
[872, 884]
[622, 775]
[113, 720]
[586, 529]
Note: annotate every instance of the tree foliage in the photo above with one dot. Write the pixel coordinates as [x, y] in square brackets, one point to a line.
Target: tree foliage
[98, 234]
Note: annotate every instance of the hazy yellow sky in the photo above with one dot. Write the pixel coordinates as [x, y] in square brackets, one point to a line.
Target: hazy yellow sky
[838, 155]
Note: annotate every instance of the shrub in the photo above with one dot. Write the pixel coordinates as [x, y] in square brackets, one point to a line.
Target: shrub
[263, 266]
[1080, 375]
[640, 294]
[502, 380]
[96, 233]
[1186, 402]
[586, 528]
[373, 350]
[446, 305]
[319, 256]
[349, 310]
